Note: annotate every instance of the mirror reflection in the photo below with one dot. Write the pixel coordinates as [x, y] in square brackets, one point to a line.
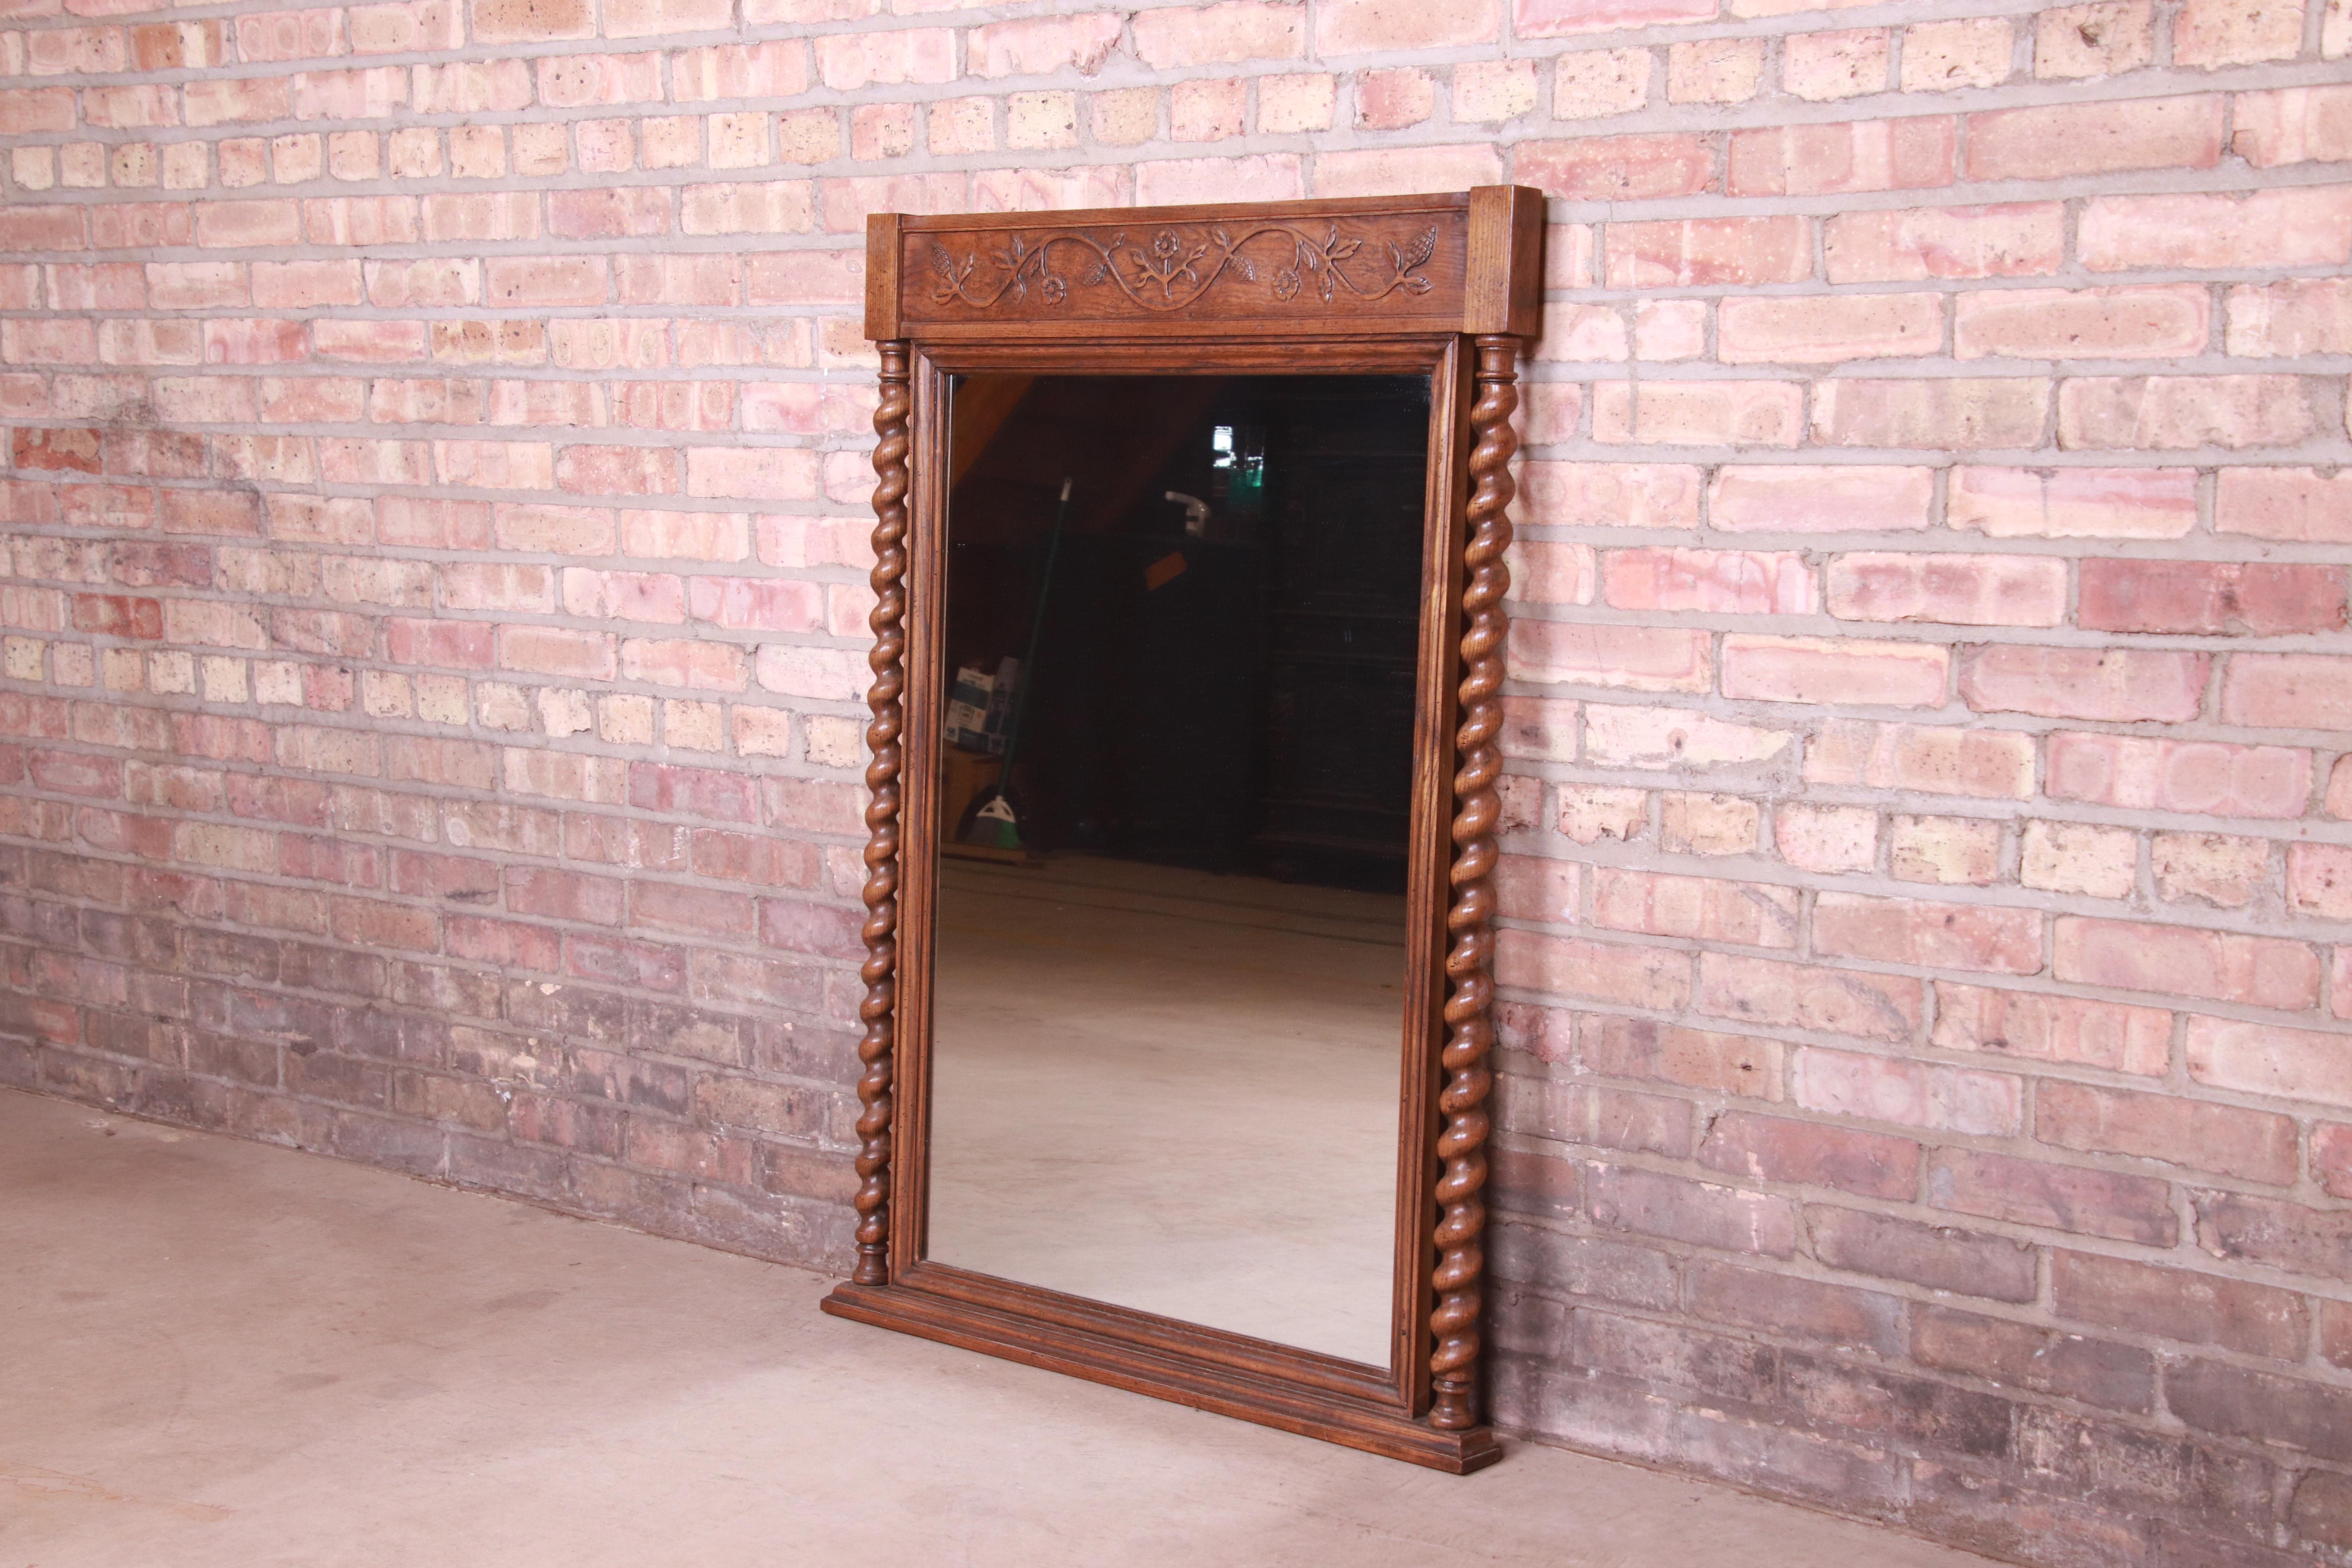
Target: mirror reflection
[1168, 978]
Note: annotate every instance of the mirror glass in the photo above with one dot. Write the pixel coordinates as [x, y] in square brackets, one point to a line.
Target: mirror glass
[1168, 1003]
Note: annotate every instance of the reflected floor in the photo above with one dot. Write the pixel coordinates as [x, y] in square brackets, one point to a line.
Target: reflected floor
[1172, 1092]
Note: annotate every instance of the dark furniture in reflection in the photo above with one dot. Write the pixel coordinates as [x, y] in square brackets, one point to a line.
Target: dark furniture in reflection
[1242, 700]
[1345, 621]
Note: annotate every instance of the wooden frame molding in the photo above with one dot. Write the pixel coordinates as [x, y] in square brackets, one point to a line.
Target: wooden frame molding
[1445, 286]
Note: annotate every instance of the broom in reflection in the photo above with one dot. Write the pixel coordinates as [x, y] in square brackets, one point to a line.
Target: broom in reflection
[994, 823]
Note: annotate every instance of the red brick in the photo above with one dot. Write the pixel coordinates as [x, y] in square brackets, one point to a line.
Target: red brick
[375, 924]
[1714, 581]
[2054, 1028]
[2259, 1407]
[2127, 503]
[1943, 414]
[1652, 1202]
[2300, 316]
[2301, 1065]
[564, 895]
[1694, 1059]
[2331, 1161]
[1944, 936]
[1826, 669]
[1943, 760]
[2178, 413]
[2222, 966]
[1365, 27]
[2319, 881]
[1704, 251]
[2091, 323]
[2288, 691]
[2199, 778]
[2055, 1198]
[1555, 18]
[1616, 168]
[1621, 973]
[669, 906]
[2220, 1138]
[693, 792]
[1808, 1153]
[1748, 914]
[2295, 125]
[1836, 159]
[2021, 240]
[2116, 684]
[1532, 889]
[1959, 590]
[1828, 330]
[118, 615]
[1801, 1308]
[2292, 228]
[2096, 138]
[1698, 413]
[1635, 657]
[2210, 598]
[1844, 1001]
[2019, 1356]
[1813, 499]
[1937, 1257]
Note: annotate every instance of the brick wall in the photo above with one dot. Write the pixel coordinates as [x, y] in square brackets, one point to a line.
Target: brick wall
[434, 620]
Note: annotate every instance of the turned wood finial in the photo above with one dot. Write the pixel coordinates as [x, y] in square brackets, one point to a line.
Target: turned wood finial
[1469, 922]
[883, 795]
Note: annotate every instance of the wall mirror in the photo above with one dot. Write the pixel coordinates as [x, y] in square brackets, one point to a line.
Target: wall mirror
[1188, 646]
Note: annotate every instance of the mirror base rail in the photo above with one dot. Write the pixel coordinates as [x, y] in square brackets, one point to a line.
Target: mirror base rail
[1376, 1428]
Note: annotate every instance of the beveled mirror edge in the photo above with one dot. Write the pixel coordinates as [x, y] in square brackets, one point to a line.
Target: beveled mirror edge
[1432, 1417]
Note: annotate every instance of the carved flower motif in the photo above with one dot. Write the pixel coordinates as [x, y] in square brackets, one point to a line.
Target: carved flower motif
[1054, 289]
[1167, 244]
[1285, 283]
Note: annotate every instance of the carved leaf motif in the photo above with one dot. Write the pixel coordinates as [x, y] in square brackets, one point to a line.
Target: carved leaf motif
[1175, 266]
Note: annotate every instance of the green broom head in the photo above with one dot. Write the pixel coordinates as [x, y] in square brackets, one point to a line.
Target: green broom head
[993, 825]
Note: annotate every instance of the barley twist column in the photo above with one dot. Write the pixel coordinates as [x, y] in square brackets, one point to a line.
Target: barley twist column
[881, 892]
[1461, 1146]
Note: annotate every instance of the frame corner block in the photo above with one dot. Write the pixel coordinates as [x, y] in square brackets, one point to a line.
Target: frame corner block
[1504, 292]
[883, 316]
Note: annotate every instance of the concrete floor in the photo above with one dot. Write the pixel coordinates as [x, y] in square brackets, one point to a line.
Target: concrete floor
[1174, 1091]
[215, 1355]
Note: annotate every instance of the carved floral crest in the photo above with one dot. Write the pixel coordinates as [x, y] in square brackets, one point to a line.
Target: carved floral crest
[1176, 266]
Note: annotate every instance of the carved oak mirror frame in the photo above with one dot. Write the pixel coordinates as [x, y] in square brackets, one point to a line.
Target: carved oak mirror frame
[1445, 286]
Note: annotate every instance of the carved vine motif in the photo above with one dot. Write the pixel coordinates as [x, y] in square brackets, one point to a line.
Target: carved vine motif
[1176, 267]
[877, 1009]
[1461, 1145]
